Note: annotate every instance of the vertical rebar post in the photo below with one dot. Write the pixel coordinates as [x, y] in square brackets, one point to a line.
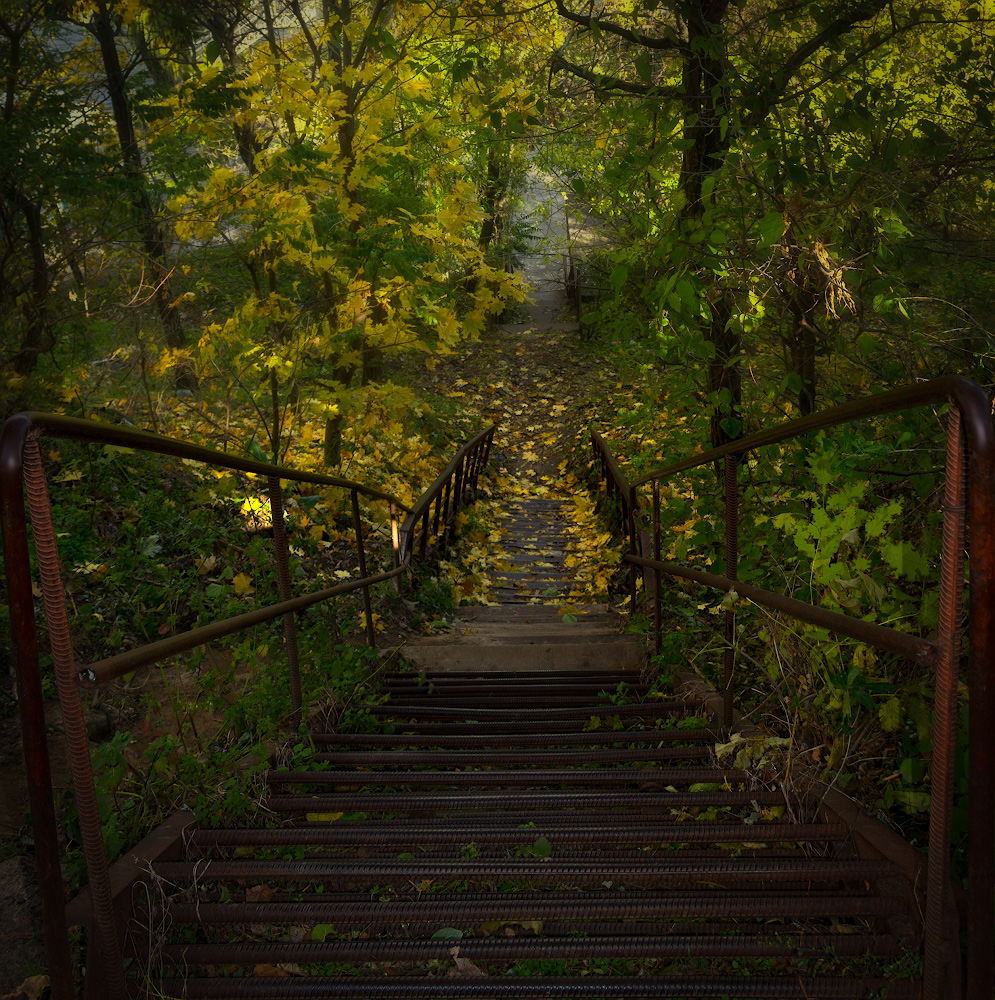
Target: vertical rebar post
[30, 703]
[490, 442]
[436, 515]
[424, 532]
[657, 578]
[283, 577]
[471, 477]
[458, 486]
[732, 561]
[371, 634]
[447, 507]
[71, 708]
[630, 514]
[945, 710]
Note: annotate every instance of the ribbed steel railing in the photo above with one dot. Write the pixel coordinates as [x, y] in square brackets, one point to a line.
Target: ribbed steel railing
[968, 522]
[22, 472]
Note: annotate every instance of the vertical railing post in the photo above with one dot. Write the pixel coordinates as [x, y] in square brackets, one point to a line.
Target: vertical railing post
[936, 940]
[106, 934]
[371, 633]
[471, 468]
[657, 578]
[283, 578]
[458, 486]
[424, 530]
[487, 449]
[30, 703]
[447, 509]
[395, 542]
[732, 560]
[981, 711]
[633, 548]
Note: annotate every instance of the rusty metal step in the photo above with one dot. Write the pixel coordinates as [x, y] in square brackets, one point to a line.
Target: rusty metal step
[447, 832]
[608, 722]
[484, 758]
[527, 799]
[671, 909]
[603, 776]
[659, 871]
[526, 988]
[536, 714]
[511, 949]
[645, 737]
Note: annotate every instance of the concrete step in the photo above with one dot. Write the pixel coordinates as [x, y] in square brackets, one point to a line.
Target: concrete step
[510, 656]
[526, 636]
[587, 613]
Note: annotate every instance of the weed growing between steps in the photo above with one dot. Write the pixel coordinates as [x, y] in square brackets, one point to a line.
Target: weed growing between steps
[216, 770]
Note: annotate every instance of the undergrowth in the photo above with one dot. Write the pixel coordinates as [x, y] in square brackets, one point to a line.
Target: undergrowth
[849, 520]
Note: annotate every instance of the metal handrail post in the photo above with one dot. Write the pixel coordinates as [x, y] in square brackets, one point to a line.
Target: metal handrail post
[283, 578]
[371, 635]
[657, 576]
[30, 703]
[732, 564]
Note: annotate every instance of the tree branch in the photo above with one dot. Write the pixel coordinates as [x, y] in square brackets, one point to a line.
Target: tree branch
[637, 38]
[600, 81]
[854, 13]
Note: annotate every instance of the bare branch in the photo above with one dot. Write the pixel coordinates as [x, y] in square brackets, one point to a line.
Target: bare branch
[599, 81]
[669, 41]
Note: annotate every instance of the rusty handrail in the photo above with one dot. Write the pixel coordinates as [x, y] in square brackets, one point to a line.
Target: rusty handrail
[616, 485]
[969, 515]
[448, 493]
[22, 471]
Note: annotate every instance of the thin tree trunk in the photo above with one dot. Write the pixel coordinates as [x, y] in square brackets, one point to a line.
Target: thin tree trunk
[702, 76]
[153, 244]
[38, 331]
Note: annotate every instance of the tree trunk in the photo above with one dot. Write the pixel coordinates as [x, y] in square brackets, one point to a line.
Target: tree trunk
[38, 332]
[153, 244]
[724, 370]
[702, 74]
[702, 77]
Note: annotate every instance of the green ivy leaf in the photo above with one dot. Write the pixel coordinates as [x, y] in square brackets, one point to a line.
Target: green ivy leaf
[771, 228]
[541, 848]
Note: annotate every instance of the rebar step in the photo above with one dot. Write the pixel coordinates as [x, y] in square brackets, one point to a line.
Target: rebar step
[534, 817]
[442, 869]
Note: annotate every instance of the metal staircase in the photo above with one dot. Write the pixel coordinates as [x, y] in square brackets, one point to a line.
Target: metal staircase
[535, 815]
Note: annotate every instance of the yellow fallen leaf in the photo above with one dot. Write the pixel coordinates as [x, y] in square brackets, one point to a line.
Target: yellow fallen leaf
[323, 817]
[206, 565]
[243, 585]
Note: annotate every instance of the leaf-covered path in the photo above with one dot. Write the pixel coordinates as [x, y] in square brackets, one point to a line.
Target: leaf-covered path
[535, 539]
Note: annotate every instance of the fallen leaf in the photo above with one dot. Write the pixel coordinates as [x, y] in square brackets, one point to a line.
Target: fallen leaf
[258, 894]
[269, 970]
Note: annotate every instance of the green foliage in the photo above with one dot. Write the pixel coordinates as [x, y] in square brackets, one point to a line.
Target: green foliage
[848, 520]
